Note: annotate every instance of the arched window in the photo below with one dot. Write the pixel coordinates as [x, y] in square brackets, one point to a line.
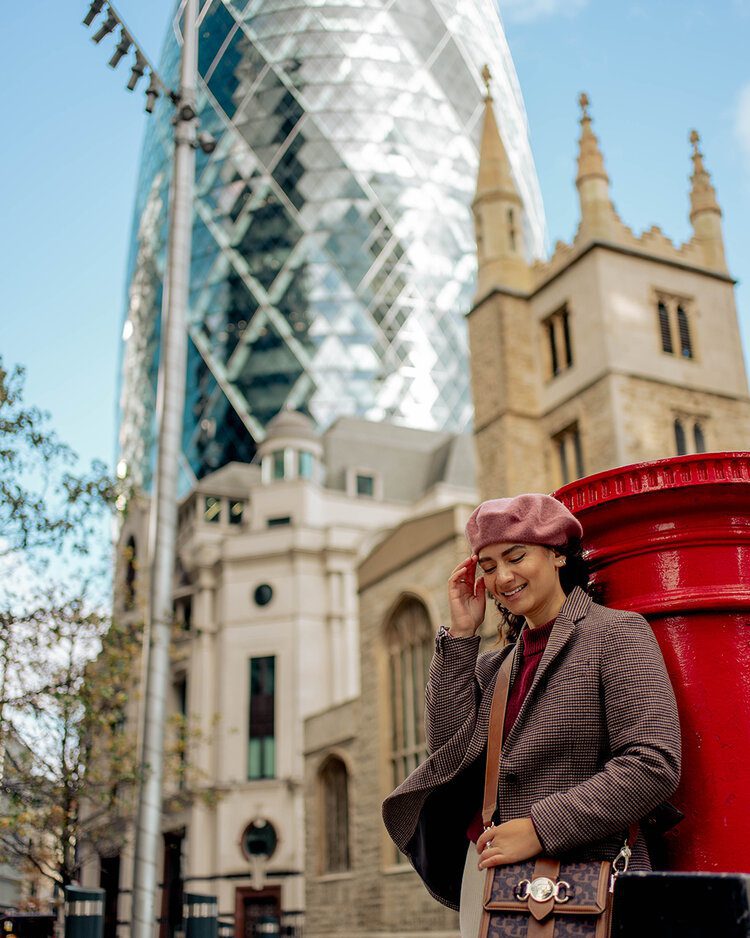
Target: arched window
[511, 229]
[700, 440]
[334, 787]
[679, 436]
[683, 328]
[130, 573]
[409, 638]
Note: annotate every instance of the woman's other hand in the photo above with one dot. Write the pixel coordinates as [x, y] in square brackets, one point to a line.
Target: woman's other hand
[511, 842]
[466, 598]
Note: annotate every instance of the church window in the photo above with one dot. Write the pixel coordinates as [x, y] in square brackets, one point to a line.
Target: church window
[559, 341]
[236, 511]
[666, 333]
[552, 346]
[511, 229]
[674, 326]
[689, 433]
[700, 440]
[569, 452]
[409, 644]
[565, 318]
[334, 790]
[686, 348]
[679, 437]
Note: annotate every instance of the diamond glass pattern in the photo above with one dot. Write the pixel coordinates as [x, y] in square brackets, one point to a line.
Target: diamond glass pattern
[333, 248]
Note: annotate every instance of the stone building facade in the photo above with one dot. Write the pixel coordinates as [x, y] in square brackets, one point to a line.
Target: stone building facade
[619, 348]
[266, 633]
[378, 738]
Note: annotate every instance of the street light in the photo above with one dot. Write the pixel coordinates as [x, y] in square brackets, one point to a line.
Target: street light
[122, 48]
[152, 93]
[93, 12]
[170, 405]
[106, 28]
[136, 72]
[156, 86]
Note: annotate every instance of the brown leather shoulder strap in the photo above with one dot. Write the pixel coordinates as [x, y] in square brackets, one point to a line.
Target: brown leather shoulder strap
[495, 738]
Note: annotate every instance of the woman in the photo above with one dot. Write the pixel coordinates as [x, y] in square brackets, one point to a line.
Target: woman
[591, 740]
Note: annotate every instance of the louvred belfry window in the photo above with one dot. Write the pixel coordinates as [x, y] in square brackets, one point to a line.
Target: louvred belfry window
[559, 340]
[666, 334]
[675, 332]
[679, 437]
[683, 327]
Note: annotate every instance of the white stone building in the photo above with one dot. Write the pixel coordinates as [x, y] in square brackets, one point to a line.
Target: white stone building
[267, 634]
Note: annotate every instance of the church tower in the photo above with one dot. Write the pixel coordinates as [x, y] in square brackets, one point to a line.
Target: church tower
[619, 348]
[502, 350]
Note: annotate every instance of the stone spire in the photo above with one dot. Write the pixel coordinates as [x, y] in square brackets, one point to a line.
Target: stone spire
[498, 211]
[705, 213]
[598, 215]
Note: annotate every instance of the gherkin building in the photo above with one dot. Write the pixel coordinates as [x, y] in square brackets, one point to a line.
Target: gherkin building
[333, 256]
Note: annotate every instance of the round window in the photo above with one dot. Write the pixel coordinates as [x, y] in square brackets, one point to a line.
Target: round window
[259, 839]
[263, 594]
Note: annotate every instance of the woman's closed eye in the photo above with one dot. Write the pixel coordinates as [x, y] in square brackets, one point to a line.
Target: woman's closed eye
[488, 567]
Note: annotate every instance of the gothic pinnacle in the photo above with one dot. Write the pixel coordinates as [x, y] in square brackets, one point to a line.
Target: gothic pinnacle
[590, 159]
[705, 213]
[702, 193]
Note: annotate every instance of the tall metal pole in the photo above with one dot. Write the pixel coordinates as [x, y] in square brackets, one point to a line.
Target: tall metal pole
[163, 522]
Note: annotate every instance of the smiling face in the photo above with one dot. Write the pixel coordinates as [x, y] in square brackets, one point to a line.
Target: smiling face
[525, 579]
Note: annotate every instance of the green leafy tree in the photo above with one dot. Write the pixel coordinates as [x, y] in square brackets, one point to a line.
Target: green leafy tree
[66, 666]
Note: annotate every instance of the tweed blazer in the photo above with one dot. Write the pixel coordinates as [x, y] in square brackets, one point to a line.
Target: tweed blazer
[595, 746]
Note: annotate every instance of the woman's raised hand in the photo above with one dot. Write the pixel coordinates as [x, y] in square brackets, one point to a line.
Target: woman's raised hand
[466, 598]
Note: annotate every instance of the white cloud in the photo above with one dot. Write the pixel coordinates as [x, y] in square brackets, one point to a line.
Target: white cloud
[742, 121]
[526, 11]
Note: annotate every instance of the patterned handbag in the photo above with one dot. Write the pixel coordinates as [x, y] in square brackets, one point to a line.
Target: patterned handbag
[541, 897]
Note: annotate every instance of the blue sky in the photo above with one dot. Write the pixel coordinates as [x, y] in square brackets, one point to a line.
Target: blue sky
[72, 140]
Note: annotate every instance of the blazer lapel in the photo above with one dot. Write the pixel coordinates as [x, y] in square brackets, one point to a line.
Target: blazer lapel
[575, 607]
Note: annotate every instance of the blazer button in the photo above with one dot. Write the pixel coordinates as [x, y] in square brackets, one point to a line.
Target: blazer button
[511, 778]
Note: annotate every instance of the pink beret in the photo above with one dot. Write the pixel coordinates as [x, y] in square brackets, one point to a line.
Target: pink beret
[525, 519]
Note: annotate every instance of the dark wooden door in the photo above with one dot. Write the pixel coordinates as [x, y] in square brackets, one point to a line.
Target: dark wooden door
[254, 904]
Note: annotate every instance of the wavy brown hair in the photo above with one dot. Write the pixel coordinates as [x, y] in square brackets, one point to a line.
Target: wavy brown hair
[576, 572]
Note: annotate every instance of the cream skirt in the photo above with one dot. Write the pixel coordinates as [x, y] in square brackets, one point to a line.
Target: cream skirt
[472, 891]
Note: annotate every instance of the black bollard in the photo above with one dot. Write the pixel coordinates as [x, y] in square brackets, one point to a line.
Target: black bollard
[201, 916]
[84, 912]
[682, 905]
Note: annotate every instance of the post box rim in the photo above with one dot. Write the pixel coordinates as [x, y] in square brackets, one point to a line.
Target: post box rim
[631, 480]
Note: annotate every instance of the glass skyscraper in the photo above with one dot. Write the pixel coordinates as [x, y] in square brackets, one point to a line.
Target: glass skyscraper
[333, 247]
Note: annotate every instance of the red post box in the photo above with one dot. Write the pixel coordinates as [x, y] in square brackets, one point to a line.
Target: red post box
[671, 540]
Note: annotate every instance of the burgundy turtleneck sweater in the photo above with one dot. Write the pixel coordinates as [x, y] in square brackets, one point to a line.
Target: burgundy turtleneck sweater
[531, 647]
